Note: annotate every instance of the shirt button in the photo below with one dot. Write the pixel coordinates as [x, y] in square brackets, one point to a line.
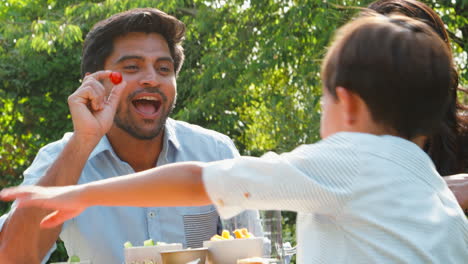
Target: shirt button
[151, 214]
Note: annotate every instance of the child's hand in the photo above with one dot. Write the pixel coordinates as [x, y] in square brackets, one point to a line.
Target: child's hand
[459, 185]
[64, 200]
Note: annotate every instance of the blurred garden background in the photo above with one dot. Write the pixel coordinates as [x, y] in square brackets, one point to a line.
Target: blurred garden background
[251, 70]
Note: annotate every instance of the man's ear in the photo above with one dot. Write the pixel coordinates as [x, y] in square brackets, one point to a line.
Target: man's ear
[350, 105]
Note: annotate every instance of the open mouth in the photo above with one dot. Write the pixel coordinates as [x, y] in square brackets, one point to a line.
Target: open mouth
[147, 105]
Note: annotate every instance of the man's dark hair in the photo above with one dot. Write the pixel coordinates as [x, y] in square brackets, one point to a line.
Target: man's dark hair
[398, 66]
[99, 42]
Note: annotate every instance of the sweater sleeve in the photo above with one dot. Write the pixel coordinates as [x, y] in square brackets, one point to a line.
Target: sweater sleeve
[312, 178]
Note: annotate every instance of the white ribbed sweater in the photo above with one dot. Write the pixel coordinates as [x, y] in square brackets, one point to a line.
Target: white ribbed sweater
[361, 198]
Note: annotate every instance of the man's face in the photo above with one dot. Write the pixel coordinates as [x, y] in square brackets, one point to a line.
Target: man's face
[149, 97]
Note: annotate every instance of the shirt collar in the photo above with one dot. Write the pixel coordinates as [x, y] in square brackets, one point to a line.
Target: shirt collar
[169, 137]
[170, 133]
[102, 146]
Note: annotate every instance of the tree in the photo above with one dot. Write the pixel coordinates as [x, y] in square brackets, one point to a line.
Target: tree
[251, 71]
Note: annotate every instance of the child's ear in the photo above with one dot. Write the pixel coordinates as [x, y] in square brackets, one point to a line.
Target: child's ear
[350, 104]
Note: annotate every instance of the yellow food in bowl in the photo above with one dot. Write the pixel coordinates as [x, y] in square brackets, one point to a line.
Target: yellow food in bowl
[238, 233]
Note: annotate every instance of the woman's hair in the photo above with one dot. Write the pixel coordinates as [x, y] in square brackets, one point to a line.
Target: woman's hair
[398, 66]
[99, 42]
[448, 147]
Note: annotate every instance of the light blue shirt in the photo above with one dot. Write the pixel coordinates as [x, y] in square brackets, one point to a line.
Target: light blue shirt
[98, 234]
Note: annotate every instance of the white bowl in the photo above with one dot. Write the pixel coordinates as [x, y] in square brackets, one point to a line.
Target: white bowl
[229, 251]
[256, 260]
[81, 262]
[148, 253]
[197, 255]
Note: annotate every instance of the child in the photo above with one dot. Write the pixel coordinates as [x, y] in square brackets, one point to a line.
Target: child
[366, 193]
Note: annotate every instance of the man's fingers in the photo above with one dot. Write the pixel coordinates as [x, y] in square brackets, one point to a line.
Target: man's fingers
[95, 100]
[115, 94]
[91, 94]
[99, 75]
[95, 84]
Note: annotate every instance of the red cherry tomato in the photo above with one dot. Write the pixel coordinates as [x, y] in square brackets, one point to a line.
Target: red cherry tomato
[115, 77]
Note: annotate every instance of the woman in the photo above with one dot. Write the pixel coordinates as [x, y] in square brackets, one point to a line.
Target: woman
[448, 148]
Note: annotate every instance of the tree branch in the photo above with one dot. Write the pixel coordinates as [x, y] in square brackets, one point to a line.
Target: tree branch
[188, 11]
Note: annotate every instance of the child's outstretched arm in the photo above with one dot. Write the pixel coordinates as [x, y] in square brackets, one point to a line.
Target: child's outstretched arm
[178, 184]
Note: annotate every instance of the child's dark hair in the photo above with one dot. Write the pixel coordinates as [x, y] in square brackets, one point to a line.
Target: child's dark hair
[398, 66]
[98, 44]
[448, 147]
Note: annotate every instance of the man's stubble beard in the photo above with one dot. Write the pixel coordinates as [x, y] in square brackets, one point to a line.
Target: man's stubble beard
[128, 125]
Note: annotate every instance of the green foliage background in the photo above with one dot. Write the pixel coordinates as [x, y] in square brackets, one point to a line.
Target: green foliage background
[251, 70]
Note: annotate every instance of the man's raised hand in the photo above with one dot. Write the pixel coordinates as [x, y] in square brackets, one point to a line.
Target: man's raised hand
[93, 104]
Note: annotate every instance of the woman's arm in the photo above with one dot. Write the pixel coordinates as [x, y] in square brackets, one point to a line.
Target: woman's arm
[459, 185]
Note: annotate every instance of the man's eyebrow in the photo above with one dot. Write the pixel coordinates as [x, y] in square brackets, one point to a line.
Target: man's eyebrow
[136, 57]
[129, 57]
[165, 59]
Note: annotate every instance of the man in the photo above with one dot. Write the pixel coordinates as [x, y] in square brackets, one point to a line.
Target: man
[144, 45]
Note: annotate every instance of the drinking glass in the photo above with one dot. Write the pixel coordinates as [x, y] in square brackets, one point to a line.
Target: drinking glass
[273, 232]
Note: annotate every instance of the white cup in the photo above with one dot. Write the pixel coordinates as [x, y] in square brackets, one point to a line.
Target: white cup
[229, 251]
[148, 254]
